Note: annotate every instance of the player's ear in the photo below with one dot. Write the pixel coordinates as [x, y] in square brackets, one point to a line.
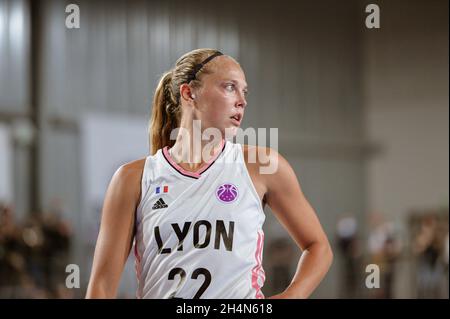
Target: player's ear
[186, 92]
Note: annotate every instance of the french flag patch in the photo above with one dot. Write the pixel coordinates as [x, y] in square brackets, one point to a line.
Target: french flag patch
[162, 189]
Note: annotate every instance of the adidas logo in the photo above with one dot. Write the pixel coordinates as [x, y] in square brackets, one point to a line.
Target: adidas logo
[159, 204]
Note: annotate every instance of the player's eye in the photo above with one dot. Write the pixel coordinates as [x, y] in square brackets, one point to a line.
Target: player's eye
[230, 87]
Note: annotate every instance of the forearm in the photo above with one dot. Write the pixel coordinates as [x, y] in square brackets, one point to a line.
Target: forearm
[97, 293]
[100, 290]
[312, 268]
[102, 286]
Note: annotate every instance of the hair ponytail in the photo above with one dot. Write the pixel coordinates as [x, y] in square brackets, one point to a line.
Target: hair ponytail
[165, 114]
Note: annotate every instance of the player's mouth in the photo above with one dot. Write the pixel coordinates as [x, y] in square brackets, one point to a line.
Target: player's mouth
[236, 119]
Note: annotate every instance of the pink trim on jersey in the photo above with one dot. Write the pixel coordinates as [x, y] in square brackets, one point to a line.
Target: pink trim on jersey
[199, 171]
[137, 267]
[137, 264]
[257, 270]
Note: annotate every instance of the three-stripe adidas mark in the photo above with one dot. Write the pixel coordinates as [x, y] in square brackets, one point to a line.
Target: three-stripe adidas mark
[159, 204]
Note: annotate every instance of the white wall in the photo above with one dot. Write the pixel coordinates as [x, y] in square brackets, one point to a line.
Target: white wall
[407, 115]
[407, 107]
[6, 168]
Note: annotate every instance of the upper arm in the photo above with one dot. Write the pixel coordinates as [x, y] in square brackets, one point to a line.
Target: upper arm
[287, 201]
[116, 229]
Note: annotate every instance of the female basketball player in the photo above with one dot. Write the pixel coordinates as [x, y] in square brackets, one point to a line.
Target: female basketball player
[196, 213]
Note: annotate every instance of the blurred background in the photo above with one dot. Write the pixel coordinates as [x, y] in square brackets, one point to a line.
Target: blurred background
[362, 117]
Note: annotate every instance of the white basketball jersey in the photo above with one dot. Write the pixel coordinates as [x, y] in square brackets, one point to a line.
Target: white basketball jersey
[199, 235]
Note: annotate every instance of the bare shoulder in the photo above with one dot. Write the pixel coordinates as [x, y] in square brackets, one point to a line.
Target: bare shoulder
[266, 164]
[260, 156]
[263, 165]
[128, 177]
[133, 167]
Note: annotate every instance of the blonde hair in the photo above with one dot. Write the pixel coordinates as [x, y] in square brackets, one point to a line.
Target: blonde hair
[166, 110]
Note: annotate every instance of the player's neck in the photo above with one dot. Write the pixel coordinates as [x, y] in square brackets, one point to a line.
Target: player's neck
[192, 155]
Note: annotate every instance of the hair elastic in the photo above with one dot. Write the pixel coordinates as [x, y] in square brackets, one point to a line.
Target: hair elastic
[197, 67]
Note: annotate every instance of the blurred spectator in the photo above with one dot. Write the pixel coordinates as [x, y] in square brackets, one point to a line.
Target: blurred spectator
[33, 255]
[348, 244]
[12, 256]
[429, 248]
[384, 249]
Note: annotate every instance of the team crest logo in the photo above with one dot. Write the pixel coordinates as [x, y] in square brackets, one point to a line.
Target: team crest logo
[227, 193]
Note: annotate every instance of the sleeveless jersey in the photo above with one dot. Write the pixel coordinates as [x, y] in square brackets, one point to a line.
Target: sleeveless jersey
[199, 235]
